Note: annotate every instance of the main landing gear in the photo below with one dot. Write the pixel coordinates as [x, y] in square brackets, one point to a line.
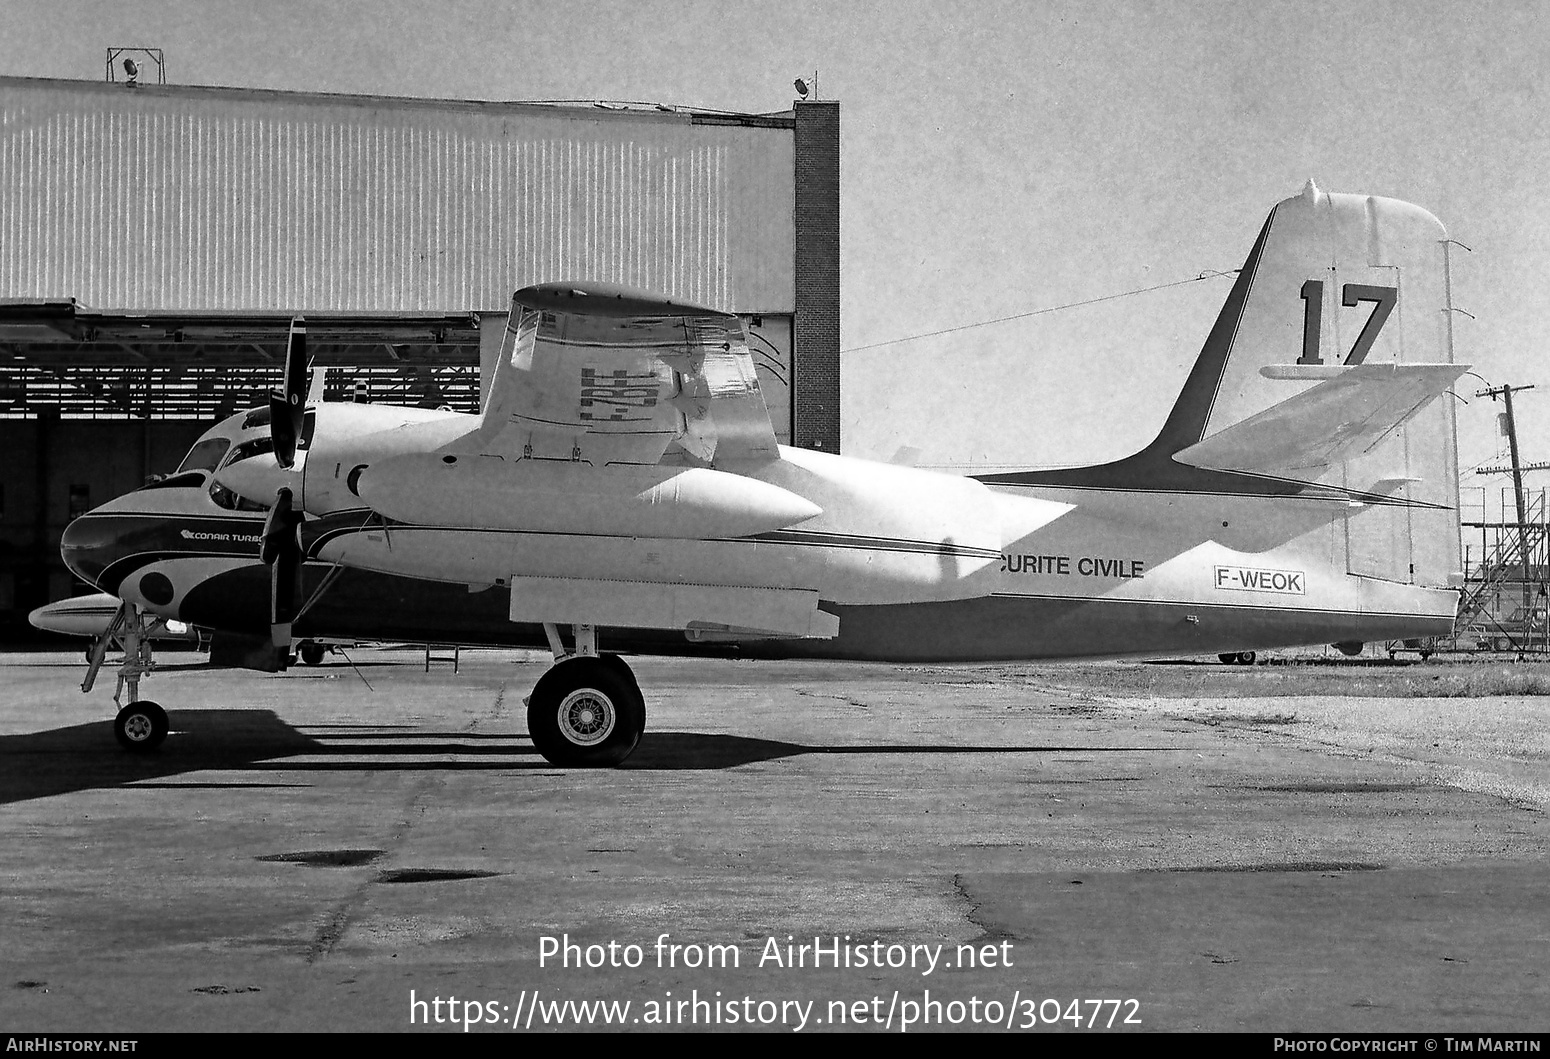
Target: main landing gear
[587, 710]
[142, 725]
[1237, 658]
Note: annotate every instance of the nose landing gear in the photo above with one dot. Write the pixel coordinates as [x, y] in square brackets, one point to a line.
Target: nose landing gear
[140, 726]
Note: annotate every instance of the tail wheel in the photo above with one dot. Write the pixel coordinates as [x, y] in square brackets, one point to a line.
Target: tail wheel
[586, 712]
[140, 727]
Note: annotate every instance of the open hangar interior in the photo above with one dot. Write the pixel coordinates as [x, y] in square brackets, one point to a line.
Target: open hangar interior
[156, 240]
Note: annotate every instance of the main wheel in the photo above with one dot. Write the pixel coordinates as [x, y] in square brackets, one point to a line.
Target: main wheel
[140, 727]
[1246, 658]
[620, 666]
[311, 653]
[587, 712]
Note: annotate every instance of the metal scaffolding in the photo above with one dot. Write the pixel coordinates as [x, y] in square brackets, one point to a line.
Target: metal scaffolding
[1506, 572]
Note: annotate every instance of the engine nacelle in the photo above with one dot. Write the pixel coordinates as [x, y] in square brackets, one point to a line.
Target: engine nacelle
[539, 496]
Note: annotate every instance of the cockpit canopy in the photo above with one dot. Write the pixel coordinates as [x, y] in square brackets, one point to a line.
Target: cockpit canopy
[205, 455]
[225, 444]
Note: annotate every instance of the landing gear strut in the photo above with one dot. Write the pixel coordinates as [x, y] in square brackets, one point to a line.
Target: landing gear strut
[587, 710]
[140, 726]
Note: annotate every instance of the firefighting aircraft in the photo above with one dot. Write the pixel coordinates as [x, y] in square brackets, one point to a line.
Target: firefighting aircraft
[623, 492]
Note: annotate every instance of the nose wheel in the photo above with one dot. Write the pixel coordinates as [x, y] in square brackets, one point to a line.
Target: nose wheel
[140, 727]
[586, 711]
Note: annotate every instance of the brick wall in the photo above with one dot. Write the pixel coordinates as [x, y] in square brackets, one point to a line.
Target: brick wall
[815, 382]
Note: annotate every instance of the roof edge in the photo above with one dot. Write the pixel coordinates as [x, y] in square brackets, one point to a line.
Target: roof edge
[595, 110]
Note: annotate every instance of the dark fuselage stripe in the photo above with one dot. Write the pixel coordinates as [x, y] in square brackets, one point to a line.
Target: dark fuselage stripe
[1206, 604]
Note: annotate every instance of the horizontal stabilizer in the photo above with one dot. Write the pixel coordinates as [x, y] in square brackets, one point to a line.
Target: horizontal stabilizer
[1335, 420]
[1390, 486]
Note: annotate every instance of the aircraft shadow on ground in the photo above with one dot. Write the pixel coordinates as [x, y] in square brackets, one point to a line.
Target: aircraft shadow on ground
[674, 751]
[86, 756]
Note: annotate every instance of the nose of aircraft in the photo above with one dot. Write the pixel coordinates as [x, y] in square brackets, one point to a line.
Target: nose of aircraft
[259, 478]
[88, 546]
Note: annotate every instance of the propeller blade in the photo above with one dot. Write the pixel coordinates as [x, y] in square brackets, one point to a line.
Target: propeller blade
[277, 525]
[280, 548]
[287, 409]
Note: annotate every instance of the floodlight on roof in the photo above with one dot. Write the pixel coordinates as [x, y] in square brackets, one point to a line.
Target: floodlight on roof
[133, 62]
[801, 87]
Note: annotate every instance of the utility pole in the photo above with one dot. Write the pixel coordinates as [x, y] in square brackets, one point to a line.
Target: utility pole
[1505, 393]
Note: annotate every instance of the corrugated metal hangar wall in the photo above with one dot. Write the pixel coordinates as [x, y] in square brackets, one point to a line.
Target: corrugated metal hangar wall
[198, 198]
[175, 216]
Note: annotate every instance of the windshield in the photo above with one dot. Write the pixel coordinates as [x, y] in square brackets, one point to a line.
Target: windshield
[204, 456]
[231, 501]
[256, 447]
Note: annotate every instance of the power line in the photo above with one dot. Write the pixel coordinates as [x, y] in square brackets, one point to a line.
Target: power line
[1040, 312]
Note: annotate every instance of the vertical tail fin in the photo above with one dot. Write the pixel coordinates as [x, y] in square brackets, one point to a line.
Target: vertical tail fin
[1319, 379]
[1333, 282]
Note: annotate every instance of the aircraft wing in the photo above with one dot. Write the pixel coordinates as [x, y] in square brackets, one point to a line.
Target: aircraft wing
[1347, 413]
[607, 375]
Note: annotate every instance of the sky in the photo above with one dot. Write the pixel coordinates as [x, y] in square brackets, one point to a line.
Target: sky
[997, 159]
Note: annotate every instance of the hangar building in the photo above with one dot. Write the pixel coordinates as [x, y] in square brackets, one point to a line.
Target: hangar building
[156, 239]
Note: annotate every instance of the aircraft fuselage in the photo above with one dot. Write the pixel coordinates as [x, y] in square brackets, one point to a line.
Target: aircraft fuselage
[915, 565]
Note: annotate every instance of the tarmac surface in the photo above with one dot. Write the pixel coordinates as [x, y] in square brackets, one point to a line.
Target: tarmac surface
[307, 852]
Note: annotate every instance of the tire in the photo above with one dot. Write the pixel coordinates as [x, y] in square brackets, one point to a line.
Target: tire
[140, 727]
[621, 667]
[311, 653]
[1246, 658]
[586, 712]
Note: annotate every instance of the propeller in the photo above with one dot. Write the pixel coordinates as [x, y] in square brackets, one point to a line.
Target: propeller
[280, 549]
[287, 409]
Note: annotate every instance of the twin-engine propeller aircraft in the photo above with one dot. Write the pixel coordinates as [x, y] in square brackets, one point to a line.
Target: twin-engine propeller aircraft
[623, 492]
